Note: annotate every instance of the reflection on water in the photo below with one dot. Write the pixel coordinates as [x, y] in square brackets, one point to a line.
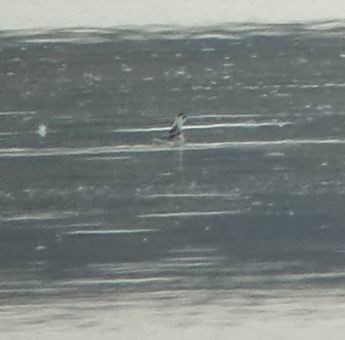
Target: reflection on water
[238, 233]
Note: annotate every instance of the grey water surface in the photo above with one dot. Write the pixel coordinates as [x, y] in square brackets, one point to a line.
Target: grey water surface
[238, 232]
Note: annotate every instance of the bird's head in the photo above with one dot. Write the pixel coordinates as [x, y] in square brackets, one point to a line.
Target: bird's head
[182, 117]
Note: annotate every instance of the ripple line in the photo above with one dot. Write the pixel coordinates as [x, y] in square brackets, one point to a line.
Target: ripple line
[191, 214]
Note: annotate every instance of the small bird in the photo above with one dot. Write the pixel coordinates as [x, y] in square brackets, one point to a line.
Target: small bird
[42, 130]
[176, 129]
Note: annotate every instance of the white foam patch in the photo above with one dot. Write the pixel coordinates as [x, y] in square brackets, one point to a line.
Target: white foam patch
[228, 65]
[193, 259]
[334, 85]
[200, 87]
[174, 264]
[275, 154]
[110, 232]
[41, 247]
[227, 36]
[294, 277]
[17, 113]
[8, 133]
[148, 79]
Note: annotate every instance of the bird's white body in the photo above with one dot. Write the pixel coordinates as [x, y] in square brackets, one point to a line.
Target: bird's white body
[175, 134]
[179, 122]
[42, 130]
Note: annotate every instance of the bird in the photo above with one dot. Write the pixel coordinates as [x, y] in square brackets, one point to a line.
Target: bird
[176, 130]
[42, 130]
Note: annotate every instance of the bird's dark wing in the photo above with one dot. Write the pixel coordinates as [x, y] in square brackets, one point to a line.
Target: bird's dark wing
[174, 132]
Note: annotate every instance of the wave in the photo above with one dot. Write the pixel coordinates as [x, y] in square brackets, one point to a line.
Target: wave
[107, 158]
[118, 281]
[110, 232]
[45, 216]
[191, 214]
[208, 126]
[223, 115]
[42, 216]
[8, 133]
[65, 40]
[224, 30]
[187, 195]
[76, 225]
[192, 250]
[17, 113]
[144, 148]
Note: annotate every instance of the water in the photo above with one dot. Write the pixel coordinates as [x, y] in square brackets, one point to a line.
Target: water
[239, 232]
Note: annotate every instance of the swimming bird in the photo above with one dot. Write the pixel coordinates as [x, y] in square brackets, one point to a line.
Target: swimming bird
[42, 130]
[176, 129]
